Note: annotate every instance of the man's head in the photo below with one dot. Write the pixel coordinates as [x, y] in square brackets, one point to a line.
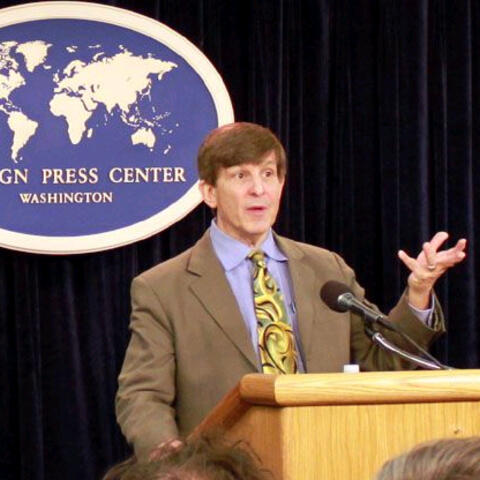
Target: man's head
[242, 169]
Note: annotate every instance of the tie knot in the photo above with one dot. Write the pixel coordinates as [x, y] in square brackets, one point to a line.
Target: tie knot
[257, 257]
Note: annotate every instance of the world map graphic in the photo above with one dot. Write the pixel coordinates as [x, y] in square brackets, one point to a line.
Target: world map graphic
[102, 112]
[118, 85]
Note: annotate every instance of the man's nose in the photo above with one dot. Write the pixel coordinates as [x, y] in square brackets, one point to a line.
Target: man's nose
[257, 187]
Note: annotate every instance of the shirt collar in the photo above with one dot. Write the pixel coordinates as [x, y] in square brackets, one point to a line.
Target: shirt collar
[232, 252]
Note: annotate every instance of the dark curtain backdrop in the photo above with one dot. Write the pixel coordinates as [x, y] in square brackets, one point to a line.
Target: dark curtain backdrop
[377, 103]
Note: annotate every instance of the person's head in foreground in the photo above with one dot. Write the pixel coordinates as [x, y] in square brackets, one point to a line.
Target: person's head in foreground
[204, 458]
[446, 459]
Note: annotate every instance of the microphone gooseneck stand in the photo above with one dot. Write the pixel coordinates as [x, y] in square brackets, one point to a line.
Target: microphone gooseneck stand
[382, 342]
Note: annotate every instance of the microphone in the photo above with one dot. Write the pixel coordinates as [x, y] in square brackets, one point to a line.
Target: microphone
[340, 298]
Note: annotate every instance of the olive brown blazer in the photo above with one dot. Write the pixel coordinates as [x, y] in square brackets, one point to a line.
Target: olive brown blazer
[189, 344]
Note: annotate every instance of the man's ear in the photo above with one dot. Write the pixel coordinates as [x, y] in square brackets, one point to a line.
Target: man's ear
[209, 193]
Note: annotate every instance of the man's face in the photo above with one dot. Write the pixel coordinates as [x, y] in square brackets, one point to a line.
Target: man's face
[247, 198]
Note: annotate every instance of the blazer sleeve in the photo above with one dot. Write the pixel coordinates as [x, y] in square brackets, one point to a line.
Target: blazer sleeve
[146, 393]
[369, 355]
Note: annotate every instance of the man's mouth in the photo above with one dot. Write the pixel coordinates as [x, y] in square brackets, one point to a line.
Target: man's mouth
[257, 208]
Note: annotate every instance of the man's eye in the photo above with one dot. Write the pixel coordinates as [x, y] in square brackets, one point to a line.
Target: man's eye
[240, 175]
[269, 173]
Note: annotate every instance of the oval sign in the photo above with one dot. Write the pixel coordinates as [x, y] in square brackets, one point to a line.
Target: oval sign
[102, 112]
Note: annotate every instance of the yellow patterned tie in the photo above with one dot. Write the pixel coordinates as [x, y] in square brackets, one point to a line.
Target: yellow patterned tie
[275, 336]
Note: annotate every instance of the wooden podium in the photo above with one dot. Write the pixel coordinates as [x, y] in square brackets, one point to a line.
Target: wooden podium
[343, 426]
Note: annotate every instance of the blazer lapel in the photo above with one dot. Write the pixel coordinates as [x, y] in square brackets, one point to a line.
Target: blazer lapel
[212, 289]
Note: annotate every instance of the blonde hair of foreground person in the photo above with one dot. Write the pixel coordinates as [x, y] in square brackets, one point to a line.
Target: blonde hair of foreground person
[445, 459]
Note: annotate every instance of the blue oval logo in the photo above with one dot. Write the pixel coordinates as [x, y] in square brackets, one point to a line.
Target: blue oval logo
[102, 112]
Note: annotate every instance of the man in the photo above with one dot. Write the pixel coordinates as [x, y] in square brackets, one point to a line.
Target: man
[196, 318]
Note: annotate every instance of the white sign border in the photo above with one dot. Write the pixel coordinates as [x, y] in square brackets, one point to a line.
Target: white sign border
[181, 46]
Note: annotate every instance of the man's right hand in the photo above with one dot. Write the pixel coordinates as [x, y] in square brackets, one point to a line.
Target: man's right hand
[165, 448]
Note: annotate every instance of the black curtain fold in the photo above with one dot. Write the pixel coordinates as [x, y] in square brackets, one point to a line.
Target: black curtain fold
[377, 104]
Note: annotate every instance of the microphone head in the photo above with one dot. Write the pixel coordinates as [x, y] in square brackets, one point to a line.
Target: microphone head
[330, 293]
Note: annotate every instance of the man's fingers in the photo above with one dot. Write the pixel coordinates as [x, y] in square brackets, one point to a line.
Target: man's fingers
[438, 239]
[409, 262]
[164, 449]
[419, 268]
[431, 264]
[444, 258]
[453, 255]
[430, 253]
[461, 245]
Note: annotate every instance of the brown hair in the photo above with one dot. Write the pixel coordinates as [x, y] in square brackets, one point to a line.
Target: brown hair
[203, 458]
[446, 459]
[235, 144]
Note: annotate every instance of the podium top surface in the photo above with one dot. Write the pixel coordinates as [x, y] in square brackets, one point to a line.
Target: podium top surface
[360, 388]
